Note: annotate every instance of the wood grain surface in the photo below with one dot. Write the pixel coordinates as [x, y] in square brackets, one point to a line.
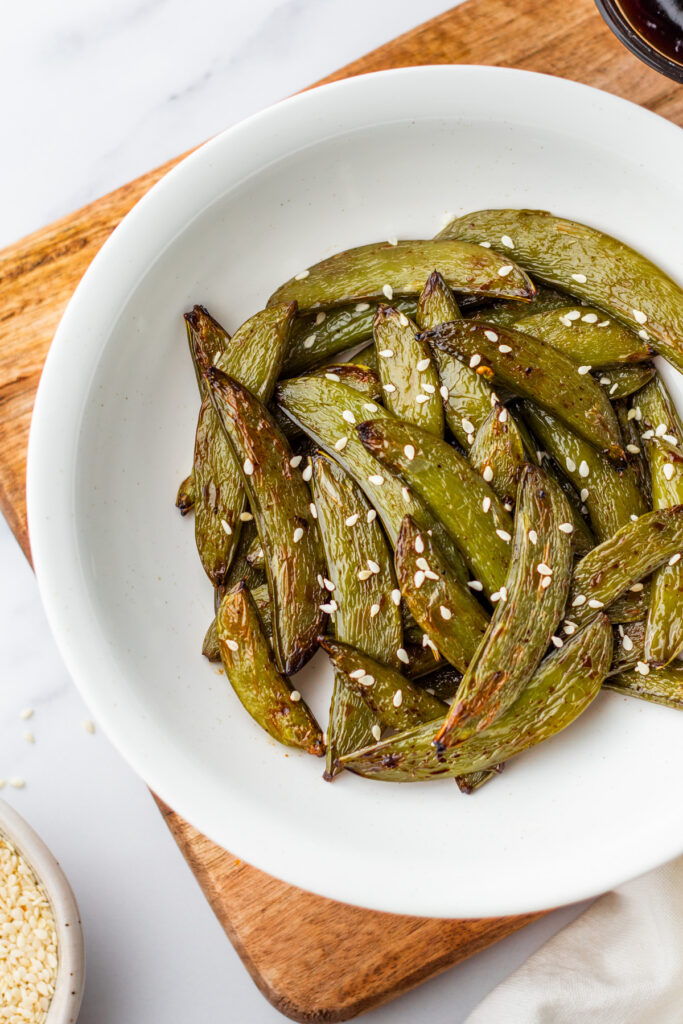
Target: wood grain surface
[316, 960]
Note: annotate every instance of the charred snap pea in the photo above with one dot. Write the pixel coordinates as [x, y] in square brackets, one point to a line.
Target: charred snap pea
[452, 619]
[185, 497]
[280, 503]
[207, 340]
[663, 686]
[527, 613]
[611, 496]
[320, 336]
[532, 369]
[328, 411]
[362, 596]
[587, 263]
[406, 371]
[361, 378]
[562, 688]
[253, 675]
[586, 336]
[436, 304]
[582, 538]
[382, 270]
[622, 381]
[458, 496]
[664, 637]
[498, 444]
[634, 551]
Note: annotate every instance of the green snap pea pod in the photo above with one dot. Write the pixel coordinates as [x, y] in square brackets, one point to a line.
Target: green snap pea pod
[362, 378]
[634, 552]
[663, 686]
[532, 369]
[261, 599]
[395, 702]
[250, 667]
[633, 445]
[611, 496]
[629, 647]
[622, 381]
[280, 503]
[586, 336]
[527, 613]
[590, 264]
[210, 648]
[436, 304]
[631, 606]
[255, 356]
[185, 497]
[452, 619]
[361, 583]
[506, 314]
[562, 688]
[498, 444]
[406, 371]
[319, 406]
[458, 496]
[664, 636]
[656, 413]
[240, 571]
[384, 270]
[207, 341]
[320, 336]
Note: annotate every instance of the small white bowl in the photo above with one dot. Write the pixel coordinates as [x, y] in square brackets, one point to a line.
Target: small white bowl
[66, 1000]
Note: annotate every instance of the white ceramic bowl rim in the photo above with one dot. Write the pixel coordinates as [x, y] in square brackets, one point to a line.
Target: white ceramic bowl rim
[150, 228]
[71, 951]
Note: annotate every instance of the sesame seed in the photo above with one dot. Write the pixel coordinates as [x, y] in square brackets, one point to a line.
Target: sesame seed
[328, 584]
[389, 388]
[419, 544]
[446, 613]
[495, 597]
[543, 570]
[631, 414]
[570, 627]
[295, 696]
[17, 783]
[370, 407]
[668, 470]
[670, 438]
[373, 566]
[357, 673]
[405, 494]
[491, 335]
[570, 464]
[503, 416]
[295, 461]
[421, 399]
[573, 314]
[504, 535]
[660, 429]
[392, 240]
[246, 517]
[352, 520]
[29, 737]
[366, 679]
[371, 516]
[487, 474]
[423, 364]
[533, 536]
[341, 444]
[376, 479]
[557, 641]
[620, 629]
[309, 342]
[307, 473]
[636, 588]
[604, 380]
[398, 699]
[385, 353]
[507, 242]
[583, 370]
[302, 275]
[614, 388]
[362, 307]
[374, 610]
[604, 323]
[364, 574]
[402, 655]
[647, 434]
[319, 318]
[232, 645]
[298, 534]
[396, 597]
[486, 503]
[545, 582]
[429, 388]
[566, 528]
[475, 585]
[485, 245]
[227, 528]
[594, 603]
[674, 558]
[467, 426]
[376, 732]
[388, 291]
[566, 321]
[639, 316]
[504, 271]
[584, 494]
[475, 360]
[470, 438]
[431, 575]
[422, 563]
[504, 349]
[583, 468]
[348, 416]
[578, 601]
[403, 320]
[418, 579]
[633, 448]
[332, 376]
[589, 318]
[248, 467]
[579, 278]
[409, 452]
[643, 668]
[328, 608]
[444, 392]
[627, 643]
[313, 510]
[26, 713]
[643, 335]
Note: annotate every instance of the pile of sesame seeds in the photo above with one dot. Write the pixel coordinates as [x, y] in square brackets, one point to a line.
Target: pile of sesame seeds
[28, 942]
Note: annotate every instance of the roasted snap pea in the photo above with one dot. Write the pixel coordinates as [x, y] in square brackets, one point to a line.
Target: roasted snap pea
[634, 551]
[395, 702]
[506, 314]
[452, 619]
[498, 444]
[280, 504]
[185, 497]
[261, 599]
[207, 341]
[664, 636]
[631, 606]
[384, 270]
[663, 686]
[459, 497]
[635, 449]
[407, 372]
[611, 496]
[363, 611]
[361, 378]
[534, 370]
[656, 414]
[561, 689]
[442, 682]
[320, 336]
[250, 667]
[587, 263]
[586, 336]
[582, 538]
[629, 647]
[240, 567]
[436, 304]
[255, 554]
[527, 613]
[622, 381]
[328, 411]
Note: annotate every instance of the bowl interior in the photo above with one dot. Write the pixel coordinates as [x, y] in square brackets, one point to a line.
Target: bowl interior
[385, 155]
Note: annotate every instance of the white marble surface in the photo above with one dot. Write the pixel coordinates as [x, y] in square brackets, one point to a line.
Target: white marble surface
[95, 94]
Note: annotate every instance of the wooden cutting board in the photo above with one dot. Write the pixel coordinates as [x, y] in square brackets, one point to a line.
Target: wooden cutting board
[316, 960]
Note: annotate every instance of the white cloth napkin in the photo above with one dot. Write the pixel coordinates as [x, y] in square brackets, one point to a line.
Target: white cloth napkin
[620, 962]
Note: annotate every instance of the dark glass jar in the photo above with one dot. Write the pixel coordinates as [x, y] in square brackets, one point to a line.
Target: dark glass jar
[652, 29]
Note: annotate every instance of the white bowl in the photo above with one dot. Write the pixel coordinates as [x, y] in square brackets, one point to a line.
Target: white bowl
[70, 980]
[381, 155]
